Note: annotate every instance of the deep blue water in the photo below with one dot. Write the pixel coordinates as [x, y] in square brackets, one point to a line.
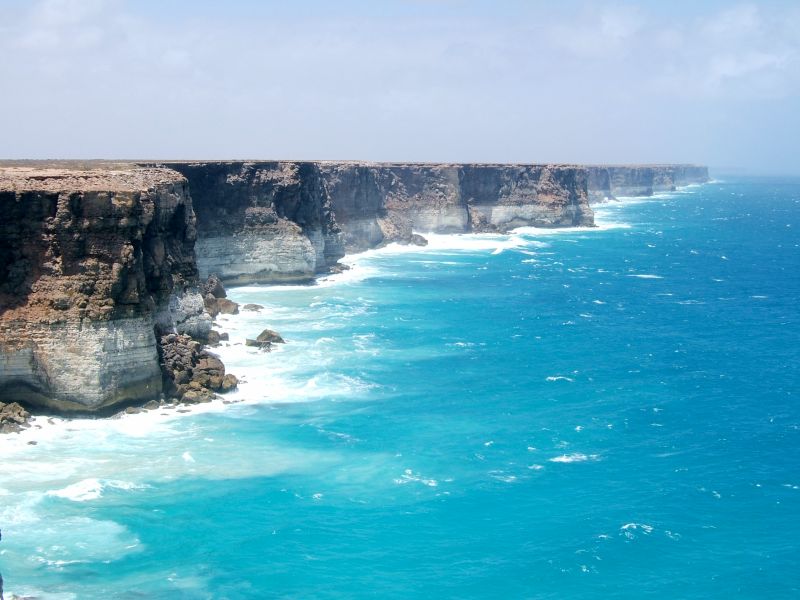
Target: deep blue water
[579, 414]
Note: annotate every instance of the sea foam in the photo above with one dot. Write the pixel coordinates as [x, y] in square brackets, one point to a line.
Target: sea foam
[573, 458]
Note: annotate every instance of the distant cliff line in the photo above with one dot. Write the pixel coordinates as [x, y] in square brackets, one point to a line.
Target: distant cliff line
[248, 211]
[101, 263]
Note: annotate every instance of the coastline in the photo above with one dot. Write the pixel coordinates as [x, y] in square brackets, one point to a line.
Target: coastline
[124, 266]
[44, 427]
[383, 405]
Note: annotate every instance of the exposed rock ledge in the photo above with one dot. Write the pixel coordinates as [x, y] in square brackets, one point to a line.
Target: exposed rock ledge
[98, 266]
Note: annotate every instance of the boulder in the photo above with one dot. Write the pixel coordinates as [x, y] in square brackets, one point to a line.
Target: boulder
[268, 335]
[417, 240]
[265, 340]
[215, 306]
[214, 286]
[197, 396]
[13, 418]
[227, 307]
[208, 372]
[210, 303]
[338, 268]
[229, 382]
[255, 344]
[189, 369]
[255, 307]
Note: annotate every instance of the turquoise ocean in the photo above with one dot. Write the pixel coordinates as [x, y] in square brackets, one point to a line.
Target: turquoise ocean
[583, 413]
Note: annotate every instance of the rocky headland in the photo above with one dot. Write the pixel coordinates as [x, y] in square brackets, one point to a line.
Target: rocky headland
[111, 273]
[93, 263]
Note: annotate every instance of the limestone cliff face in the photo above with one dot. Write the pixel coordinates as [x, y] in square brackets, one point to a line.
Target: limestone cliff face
[283, 221]
[608, 182]
[262, 221]
[91, 264]
[378, 203]
[99, 263]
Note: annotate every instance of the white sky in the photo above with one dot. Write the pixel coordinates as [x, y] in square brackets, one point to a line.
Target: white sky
[419, 80]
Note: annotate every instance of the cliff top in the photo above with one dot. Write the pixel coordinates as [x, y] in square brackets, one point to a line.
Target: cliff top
[368, 163]
[130, 176]
[82, 177]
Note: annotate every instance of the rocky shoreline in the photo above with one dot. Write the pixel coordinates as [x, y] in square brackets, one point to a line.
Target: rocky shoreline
[111, 273]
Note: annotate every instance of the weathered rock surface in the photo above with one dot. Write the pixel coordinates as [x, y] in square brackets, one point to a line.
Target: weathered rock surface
[99, 262]
[92, 263]
[13, 417]
[607, 182]
[266, 339]
[378, 203]
[262, 221]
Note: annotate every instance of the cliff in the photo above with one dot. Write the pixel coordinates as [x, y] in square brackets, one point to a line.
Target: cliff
[377, 203]
[100, 263]
[265, 222]
[92, 264]
[606, 182]
[284, 221]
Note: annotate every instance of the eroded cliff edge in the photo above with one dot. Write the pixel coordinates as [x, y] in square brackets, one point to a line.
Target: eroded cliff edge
[264, 222]
[93, 265]
[289, 221]
[100, 263]
[377, 203]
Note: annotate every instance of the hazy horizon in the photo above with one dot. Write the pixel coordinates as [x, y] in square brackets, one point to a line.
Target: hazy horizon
[714, 83]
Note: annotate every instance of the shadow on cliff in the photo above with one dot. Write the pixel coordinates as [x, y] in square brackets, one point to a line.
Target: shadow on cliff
[23, 244]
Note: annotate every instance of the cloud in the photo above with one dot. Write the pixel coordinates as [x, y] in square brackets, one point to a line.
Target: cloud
[737, 54]
[598, 34]
[735, 23]
[59, 25]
